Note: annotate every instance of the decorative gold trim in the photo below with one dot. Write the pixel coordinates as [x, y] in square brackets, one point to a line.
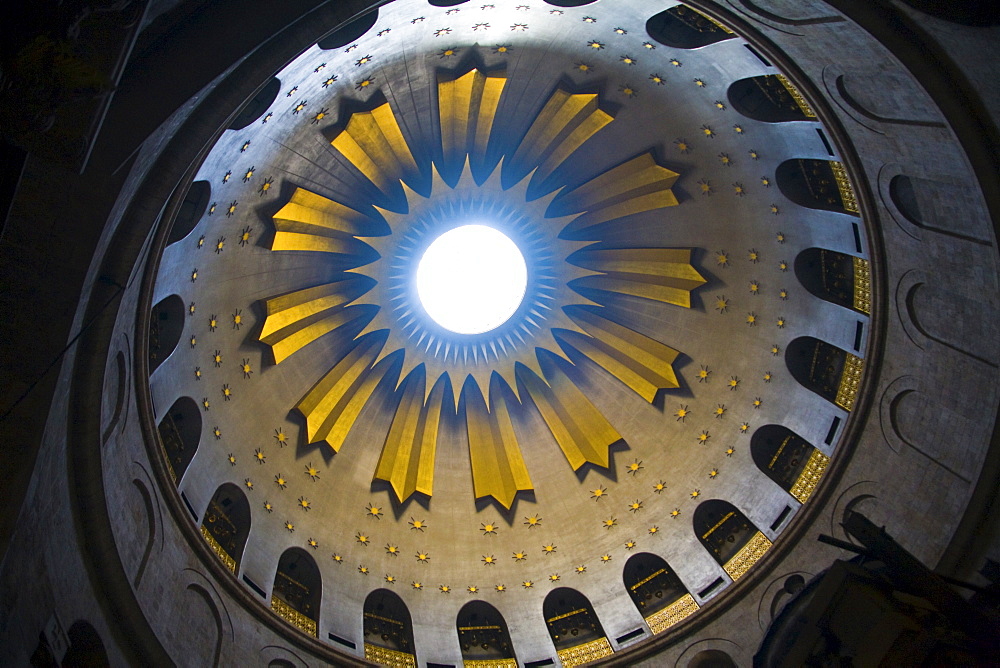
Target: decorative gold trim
[491, 663]
[719, 25]
[585, 653]
[862, 285]
[810, 476]
[845, 187]
[850, 381]
[800, 100]
[294, 617]
[677, 611]
[220, 552]
[747, 556]
[389, 657]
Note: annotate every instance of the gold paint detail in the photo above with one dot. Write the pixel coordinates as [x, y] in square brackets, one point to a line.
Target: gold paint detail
[810, 476]
[585, 653]
[847, 195]
[862, 285]
[850, 381]
[389, 657]
[747, 556]
[490, 663]
[661, 274]
[498, 469]
[467, 106]
[407, 459]
[800, 100]
[293, 616]
[334, 403]
[220, 552]
[374, 144]
[565, 122]
[310, 222]
[677, 611]
[635, 186]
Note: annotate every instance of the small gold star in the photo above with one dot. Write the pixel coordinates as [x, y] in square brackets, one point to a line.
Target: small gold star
[659, 487]
[703, 374]
[527, 584]
[605, 558]
[729, 451]
[595, 45]
[217, 358]
[629, 544]
[419, 525]
[657, 79]
[635, 506]
[472, 589]
[725, 159]
[751, 318]
[444, 589]
[713, 473]
[392, 549]
[205, 403]
[312, 472]
[197, 369]
[675, 62]
[363, 570]
[390, 579]
[738, 129]
[753, 255]
[584, 67]
[488, 529]
[767, 377]
[532, 521]
[232, 459]
[373, 511]
[705, 186]
[722, 258]
[695, 494]
[423, 557]
[246, 368]
[580, 569]
[554, 577]
[775, 210]
[781, 323]
[744, 427]
[758, 402]
[683, 412]
[218, 434]
[501, 588]
[654, 530]
[783, 293]
[675, 512]
[766, 182]
[682, 145]
[259, 456]
[780, 236]
[775, 349]
[280, 437]
[720, 105]
[519, 556]
[720, 410]
[248, 483]
[703, 437]
[610, 522]
[361, 538]
[289, 526]
[227, 392]
[417, 585]
[635, 466]
[721, 304]
[598, 493]
[279, 481]
[548, 549]
[338, 558]
[312, 543]
[734, 382]
[489, 559]
[754, 287]
[700, 84]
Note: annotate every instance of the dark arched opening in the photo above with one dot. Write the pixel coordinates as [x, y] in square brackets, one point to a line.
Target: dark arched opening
[788, 459]
[569, 3]
[711, 658]
[830, 372]
[682, 27]
[86, 649]
[482, 633]
[297, 590]
[257, 105]
[180, 435]
[388, 629]
[656, 591]
[729, 536]
[841, 279]
[573, 626]
[770, 98]
[226, 524]
[349, 32]
[166, 324]
[817, 184]
[191, 210]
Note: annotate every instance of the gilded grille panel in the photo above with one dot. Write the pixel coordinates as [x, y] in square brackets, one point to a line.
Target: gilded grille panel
[389, 657]
[797, 96]
[747, 556]
[581, 654]
[850, 381]
[810, 476]
[862, 285]
[675, 612]
[218, 549]
[844, 186]
[293, 616]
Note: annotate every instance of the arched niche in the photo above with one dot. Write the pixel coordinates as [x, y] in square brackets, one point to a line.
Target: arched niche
[483, 635]
[729, 536]
[446, 3]
[388, 629]
[573, 626]
[86, 649]
[191, 210]
[257, 105]
[226, 524]
[711, 658]
[349, 32]
[817, 184]
[827, 370]
[569, 3]
[788, 459]
[770, 98]
[656, 591]
[835, 277]
[683, 27]
[166, 324]
[297, 590]
[180, 435]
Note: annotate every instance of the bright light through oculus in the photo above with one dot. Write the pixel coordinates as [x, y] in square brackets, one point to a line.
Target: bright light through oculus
[471, 279]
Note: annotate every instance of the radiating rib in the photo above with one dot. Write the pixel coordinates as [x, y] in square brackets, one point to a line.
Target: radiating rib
[296, 319]
[561, 127]
[635, 186]
[662, 274]
[498, 468]
[407, 459]
[333, 404]
[374, 144]
[466, 107]
[581, 430]
[643, 364]
[311, 222]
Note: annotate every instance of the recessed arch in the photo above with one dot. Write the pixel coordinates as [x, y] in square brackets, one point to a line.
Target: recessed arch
[817, 184]
[657, 592]
[841, 279]
[769, 98]
[349, 32]
[191, 210]
[573, 625]
[180, 435]
[388, 629]
[483, 634]
[789, 460]
[166, 324]
[729, 536]
[445, 3]
[86, 649]
[827, 370]
[569, 3]
[257, 105]
[683, 27]
[298, 590]
[226, 524]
